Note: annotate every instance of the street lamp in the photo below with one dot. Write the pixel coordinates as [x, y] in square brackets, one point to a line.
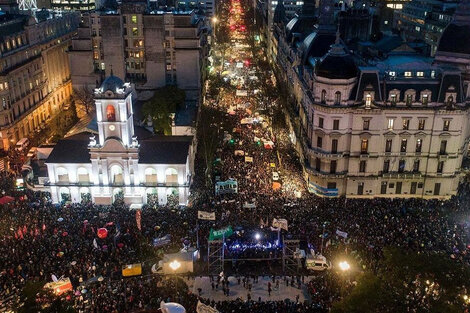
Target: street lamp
[257, 236]
[214, 20]
[175, 265]
[344, 266]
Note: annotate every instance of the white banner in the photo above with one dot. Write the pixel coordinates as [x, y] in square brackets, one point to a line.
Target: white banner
[280, 223]
[208, 216]
[248, 205]
[342, 233]
[203, 308]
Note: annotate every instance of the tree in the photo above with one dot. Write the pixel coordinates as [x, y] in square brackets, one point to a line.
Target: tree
[409, 282]
[166, 101]
[84, 98]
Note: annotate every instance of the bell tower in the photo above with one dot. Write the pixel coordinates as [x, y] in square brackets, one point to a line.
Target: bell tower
[114, 113]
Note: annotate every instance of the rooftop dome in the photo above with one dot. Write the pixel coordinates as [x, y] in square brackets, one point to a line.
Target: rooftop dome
[112, 83]
[337, 64]
[456, 36]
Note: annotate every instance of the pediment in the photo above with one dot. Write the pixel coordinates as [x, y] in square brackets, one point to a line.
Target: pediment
[389, 134]
[113, 145]
[405, 134]
[420, 134]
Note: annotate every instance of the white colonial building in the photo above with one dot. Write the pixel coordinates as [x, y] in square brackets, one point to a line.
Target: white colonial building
[120, 163]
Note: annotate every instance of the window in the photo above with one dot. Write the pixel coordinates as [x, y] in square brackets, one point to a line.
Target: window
[437, 189]
[135, 31]
[360, 188]
[413, 188]
[446, 125]
[421, 124]
[404, 142]
[393, 99]
[442, 149]
[398, 188]
[425, 99]
[334, 145]
[419, 145]
[386, 167]
[409, 99]
[323, 96]
[416, 166]
[407, 74]
[318, 164]
[134, 19]
[390, 123]
[110, 113]
[406, 124]
[335, 124]
[365, 124]
[364, 145]
[320, 122]
[319, 142]
[388, 145]
[401, 166]
[362, 166]
[392, 74]
[419, 74]
[383, 187]
[450, 99]
[333, 166]
[440, 166]
[368, 100]
[337, 98]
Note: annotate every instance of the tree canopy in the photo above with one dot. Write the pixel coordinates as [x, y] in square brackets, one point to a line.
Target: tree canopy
[409, 282]
[165, 101]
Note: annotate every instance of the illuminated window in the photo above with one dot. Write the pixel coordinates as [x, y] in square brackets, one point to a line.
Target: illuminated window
[392, 74]
[407, 74]
[425, 99]
[110, 113]
[134, 19]
[390, 123]
[419, 74]
[406, 124]
[135, 31]
[421, 124]
[364, 145]
[368, 100]
[419, 145]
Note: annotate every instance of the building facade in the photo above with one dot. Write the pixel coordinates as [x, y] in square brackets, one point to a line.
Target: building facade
[119, 164]
[150, 49]
[393, 128]
[34, 70]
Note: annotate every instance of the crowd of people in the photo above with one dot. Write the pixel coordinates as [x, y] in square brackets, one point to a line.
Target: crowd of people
[40, 241]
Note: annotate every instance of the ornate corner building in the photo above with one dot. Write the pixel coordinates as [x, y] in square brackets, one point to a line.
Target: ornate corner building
[391, 127]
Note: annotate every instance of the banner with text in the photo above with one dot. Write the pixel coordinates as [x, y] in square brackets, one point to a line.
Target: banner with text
[280, 223]
[208, 216]
[220, 233]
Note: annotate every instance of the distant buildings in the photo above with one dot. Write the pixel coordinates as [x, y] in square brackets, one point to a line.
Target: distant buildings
[34, 69]
[424, 20]
[149, 48]
[397, 126]
[72, 5]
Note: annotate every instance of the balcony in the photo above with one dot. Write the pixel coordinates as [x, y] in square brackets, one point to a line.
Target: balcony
[401, 175]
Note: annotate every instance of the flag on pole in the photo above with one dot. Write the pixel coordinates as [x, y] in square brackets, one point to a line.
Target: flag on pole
[208, 216]
[138, 219]
[280, 223]
[204, 308]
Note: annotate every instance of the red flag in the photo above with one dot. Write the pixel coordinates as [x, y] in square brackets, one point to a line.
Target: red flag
[20, 233]
[36, 232]
[16, 235]
[25, 229]
[138, 219]
[43, 227]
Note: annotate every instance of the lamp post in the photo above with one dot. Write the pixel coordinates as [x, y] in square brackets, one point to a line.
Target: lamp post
[214, 21]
